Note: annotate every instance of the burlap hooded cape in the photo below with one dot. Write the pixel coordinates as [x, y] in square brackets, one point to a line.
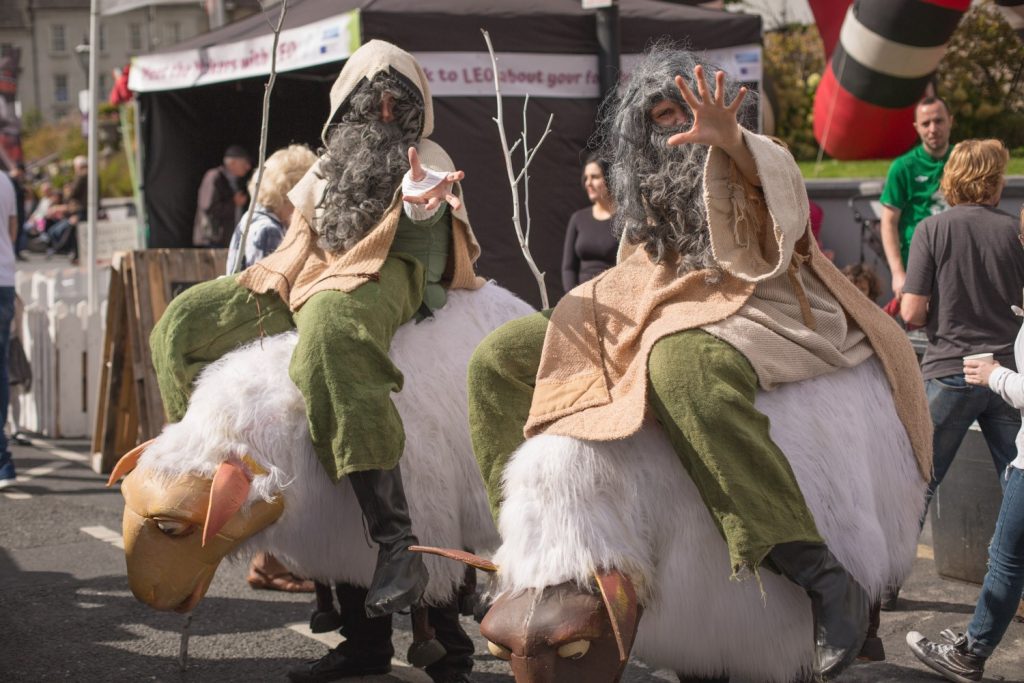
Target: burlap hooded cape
[300, 268]
[592, 380]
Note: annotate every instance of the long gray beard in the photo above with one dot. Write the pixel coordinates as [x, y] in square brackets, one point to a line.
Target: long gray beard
[671, 184]
[364, 164]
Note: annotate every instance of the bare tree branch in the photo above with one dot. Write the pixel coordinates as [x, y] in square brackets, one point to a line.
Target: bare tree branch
[513, 178]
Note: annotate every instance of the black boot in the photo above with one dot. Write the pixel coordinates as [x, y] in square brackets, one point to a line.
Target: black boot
[400, 576]
[457, 662]
[366, 650]
[873, 649]
[840, 605]
[325, 617]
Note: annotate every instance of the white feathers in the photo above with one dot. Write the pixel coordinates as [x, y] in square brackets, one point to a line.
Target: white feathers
[245, 404]
[575, 505]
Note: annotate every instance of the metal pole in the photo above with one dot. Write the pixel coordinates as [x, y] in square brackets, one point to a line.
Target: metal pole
[93, 177]
[608, 48]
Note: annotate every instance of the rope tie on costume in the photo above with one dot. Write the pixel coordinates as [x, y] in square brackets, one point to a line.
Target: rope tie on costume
[375, 277]
[738, 200]
[259, 318]
[793, 272]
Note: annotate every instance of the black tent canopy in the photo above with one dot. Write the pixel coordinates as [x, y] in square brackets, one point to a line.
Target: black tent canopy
[200, 96]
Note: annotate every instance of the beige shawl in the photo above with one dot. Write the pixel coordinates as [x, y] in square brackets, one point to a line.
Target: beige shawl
[300, 267]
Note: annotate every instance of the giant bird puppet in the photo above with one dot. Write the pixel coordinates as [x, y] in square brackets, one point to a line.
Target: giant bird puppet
[238, 475]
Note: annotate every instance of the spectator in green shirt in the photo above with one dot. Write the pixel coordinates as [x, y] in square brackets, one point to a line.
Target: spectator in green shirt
[911, 191]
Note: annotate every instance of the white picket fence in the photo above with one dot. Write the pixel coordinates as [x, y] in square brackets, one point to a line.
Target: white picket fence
[63, 342]
[64, 345]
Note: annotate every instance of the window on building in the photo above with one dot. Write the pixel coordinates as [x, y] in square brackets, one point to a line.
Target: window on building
[60, 88]
[6, 49]
[103, 37]
[104, 85]
[173, 32]
[58, 38]
[134, 36]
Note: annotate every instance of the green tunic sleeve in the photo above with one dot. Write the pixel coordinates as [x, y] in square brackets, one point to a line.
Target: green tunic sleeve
[429, 242]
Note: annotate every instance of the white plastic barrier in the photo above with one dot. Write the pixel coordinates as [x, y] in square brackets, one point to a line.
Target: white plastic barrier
[64, 345]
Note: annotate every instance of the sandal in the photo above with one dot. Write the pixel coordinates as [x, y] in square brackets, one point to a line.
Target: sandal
[284, 581]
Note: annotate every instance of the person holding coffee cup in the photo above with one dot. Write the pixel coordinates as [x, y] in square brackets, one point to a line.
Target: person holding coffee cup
[966, 270]
[963, 657]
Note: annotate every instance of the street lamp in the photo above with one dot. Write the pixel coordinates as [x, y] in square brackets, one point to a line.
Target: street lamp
[82, 52]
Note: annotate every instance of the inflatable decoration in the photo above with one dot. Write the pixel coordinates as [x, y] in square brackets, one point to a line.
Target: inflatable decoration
[886, 54]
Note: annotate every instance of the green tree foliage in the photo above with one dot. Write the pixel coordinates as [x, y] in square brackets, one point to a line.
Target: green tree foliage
[59, 143]
[794, 59]
[982, 78]
[63, 139]
[115, 181]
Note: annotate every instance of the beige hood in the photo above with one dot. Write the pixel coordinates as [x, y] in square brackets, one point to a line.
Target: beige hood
[368, 61]
[300, 268]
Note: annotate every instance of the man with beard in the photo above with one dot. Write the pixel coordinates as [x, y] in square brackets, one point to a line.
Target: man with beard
[719, 291]
[356, 263]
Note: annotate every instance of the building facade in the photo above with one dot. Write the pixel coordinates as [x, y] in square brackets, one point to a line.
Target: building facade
[52, 37]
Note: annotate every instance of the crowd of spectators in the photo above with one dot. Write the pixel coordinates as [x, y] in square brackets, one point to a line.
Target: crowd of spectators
[50, 211]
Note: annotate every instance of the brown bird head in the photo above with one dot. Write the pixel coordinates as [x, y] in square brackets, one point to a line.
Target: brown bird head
[564, 633]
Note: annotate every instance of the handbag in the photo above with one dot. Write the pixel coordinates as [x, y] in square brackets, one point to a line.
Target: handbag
[19, 371]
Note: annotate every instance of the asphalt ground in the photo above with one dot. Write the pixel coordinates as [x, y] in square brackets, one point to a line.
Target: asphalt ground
[66, 613]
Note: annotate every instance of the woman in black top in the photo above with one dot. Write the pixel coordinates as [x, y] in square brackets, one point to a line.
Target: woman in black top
[590, 247]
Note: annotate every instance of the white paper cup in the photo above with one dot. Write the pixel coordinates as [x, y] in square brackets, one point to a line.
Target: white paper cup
[983, 357]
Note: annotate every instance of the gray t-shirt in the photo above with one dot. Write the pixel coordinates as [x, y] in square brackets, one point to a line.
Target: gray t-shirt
[970, 262]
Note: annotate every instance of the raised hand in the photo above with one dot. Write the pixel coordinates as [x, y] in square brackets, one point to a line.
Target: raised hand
[441, 191]
[714, 121]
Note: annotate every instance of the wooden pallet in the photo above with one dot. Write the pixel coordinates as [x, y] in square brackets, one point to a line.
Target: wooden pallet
[142, 284]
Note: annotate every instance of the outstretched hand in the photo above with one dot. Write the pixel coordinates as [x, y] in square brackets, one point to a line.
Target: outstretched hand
[714, 121]
[441, 192]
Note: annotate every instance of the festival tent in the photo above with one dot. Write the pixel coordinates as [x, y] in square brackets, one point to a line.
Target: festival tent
[204, 94]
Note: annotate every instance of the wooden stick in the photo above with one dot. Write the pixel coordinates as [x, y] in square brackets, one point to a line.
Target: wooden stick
[183, 647]
[264, 125]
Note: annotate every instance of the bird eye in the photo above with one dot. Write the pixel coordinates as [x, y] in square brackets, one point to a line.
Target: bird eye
[574, 650]
[499, 651]
[175, 528]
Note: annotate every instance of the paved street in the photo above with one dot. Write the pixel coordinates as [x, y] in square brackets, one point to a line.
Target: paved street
[66, 612]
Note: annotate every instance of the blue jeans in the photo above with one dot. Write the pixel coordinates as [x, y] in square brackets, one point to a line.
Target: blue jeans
[955, 405]
[6, 318]
[1001, 591]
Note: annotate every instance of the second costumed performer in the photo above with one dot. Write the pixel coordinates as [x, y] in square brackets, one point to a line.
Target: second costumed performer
[357, 262]
[719, 291]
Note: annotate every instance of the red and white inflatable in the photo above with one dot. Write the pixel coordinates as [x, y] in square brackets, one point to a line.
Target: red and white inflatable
[879, 62]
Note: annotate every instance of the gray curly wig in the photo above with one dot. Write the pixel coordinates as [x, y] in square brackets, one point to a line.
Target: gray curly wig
[365, 159]
[659, 189]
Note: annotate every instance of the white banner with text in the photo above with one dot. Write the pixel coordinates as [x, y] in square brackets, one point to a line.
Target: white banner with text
[321, 42]
[470, 74]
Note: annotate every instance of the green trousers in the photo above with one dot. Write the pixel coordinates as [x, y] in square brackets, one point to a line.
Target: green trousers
[340, 363]
[702, 390]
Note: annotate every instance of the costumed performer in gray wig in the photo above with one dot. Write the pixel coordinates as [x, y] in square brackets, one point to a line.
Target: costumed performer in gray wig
[719, 291]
